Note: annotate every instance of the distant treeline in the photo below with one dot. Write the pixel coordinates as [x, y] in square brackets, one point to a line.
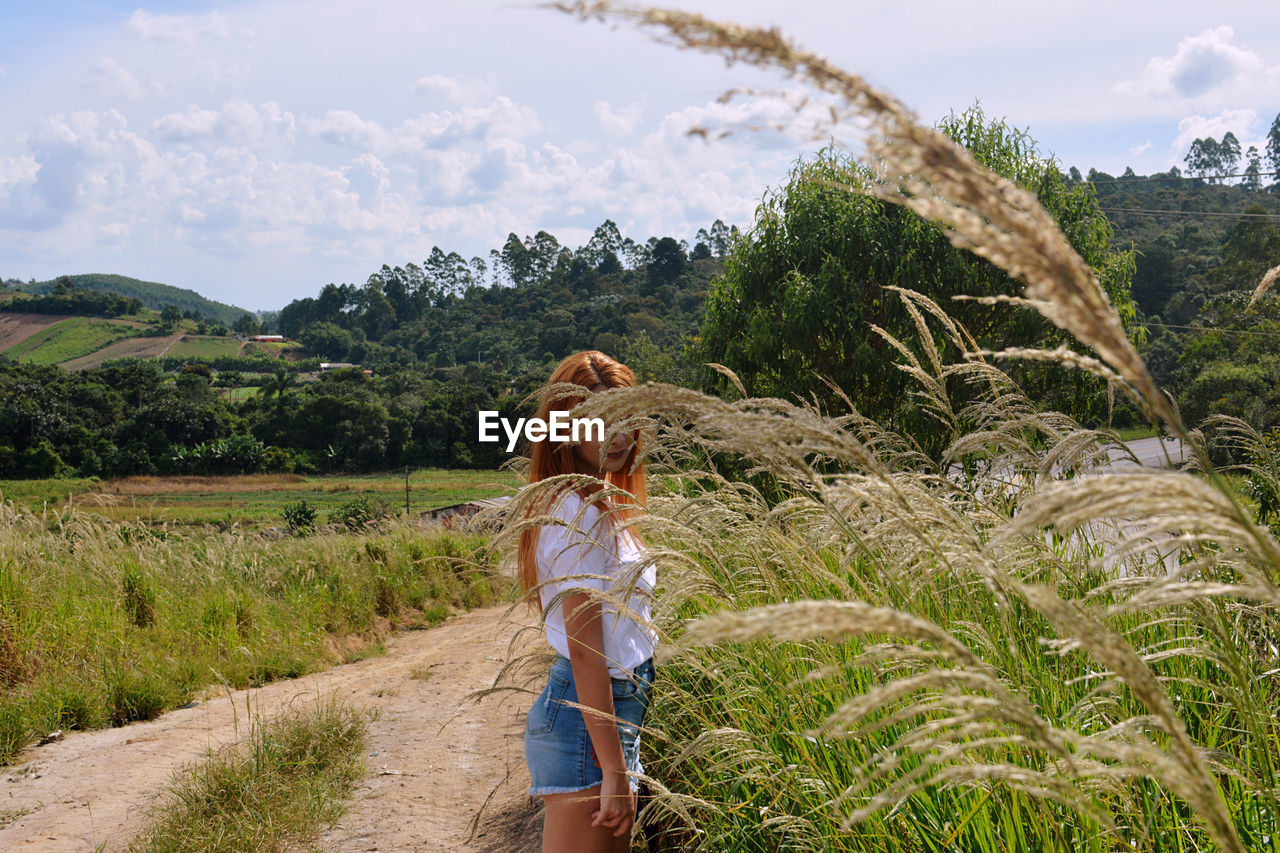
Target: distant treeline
[451, 336]
[1203, 244]
[128, 418]
[534, 300]
[153, 295]
[66, 298]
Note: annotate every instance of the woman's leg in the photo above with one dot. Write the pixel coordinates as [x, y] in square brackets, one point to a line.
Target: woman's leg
[566, 825]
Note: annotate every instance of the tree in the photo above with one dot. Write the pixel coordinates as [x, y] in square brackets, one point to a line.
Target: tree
[170, 316]
[719, 239]
[667, 263]
[1251, 248]
[1229, 153]
[605, 243]
[1273, 146]
[514, 261]
[247, 324]
[1253, 171]
[1204, 158]
[801, 290]
[279, 384]
[327, 340]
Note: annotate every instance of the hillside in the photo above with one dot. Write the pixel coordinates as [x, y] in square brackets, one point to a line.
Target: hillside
[152, 294]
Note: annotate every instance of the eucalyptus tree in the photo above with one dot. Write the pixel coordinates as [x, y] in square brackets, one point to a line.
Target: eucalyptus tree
[803, 288]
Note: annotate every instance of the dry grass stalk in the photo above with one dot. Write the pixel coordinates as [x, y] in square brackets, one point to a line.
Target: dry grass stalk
[858, 493]
[924, 170]
[1265, 285]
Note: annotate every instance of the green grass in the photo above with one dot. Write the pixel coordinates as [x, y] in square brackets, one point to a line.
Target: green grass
[237, 394]
[36, 495]
[272, 793]
[737, 723]
[104, 623]
[256, 500]
[204, 346]
[1135, 433]
[70, 339]
[271, 348]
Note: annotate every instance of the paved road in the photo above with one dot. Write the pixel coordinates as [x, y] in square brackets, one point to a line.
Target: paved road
[1154, 452]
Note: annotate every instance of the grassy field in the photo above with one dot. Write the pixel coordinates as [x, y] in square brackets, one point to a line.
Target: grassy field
[870, 660]
[204, 346]
[237, 394]
[102, 623]
[271, 348]
[252, 500]
[70, 339]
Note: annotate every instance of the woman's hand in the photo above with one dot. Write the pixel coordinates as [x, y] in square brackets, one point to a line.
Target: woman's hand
[617, 803]
[582, 620]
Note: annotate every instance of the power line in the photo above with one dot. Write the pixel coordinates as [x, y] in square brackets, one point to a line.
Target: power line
[1212, 329]
[1147, 211]
[1159, 178]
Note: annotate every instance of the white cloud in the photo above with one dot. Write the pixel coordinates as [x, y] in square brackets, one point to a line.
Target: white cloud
[1139, 150]
[182, 30]
[321, 162]
[265, 126]
[114, 80]
[1193, 127]
[457, 89]
[370, 179]
[343, 127]
[618, 122]
[1204, 64]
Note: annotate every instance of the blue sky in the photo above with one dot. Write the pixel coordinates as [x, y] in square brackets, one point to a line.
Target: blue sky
[257, 151]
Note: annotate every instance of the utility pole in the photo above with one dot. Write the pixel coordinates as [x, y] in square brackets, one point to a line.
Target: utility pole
[406, 490]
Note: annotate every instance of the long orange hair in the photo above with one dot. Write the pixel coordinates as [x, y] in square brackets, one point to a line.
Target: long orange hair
[588, 369]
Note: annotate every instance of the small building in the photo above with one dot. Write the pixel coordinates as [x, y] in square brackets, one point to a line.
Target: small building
[268, 339]
[326, 366]
[459, 515]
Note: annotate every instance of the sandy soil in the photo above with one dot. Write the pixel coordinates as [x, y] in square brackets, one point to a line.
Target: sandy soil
[438, 759]
[16, 328]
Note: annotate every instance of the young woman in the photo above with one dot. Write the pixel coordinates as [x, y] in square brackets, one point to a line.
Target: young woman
[604, 654]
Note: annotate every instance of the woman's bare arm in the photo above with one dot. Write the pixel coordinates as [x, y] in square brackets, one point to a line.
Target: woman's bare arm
[584, 627]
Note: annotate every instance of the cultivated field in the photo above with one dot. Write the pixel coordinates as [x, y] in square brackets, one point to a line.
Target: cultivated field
[72, 338]
[254, 500]
[205, 346]
[16, 328]
[127, 348]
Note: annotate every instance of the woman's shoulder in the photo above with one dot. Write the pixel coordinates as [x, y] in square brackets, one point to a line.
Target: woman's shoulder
[574, 513]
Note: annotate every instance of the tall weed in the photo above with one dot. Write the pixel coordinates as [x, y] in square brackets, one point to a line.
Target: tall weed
[104, 623]
[1015, 647]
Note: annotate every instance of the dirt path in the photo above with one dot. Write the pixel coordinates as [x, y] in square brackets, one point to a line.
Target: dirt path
[435, 758]
[127, 348]
[16, 327]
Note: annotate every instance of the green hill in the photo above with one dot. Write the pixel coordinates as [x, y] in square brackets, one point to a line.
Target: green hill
[152, 294]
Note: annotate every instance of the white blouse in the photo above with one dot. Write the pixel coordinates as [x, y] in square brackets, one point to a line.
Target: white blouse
[586, 554]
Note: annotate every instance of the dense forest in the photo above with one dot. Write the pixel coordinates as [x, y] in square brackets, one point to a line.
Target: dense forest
[1203, 245]
[441, 340]
[1180, 255]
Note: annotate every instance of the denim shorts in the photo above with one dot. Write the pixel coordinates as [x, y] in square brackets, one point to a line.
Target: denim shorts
[556, 743]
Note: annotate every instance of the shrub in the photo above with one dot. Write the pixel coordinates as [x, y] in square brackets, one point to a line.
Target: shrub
[361, 512]
[301, 517]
